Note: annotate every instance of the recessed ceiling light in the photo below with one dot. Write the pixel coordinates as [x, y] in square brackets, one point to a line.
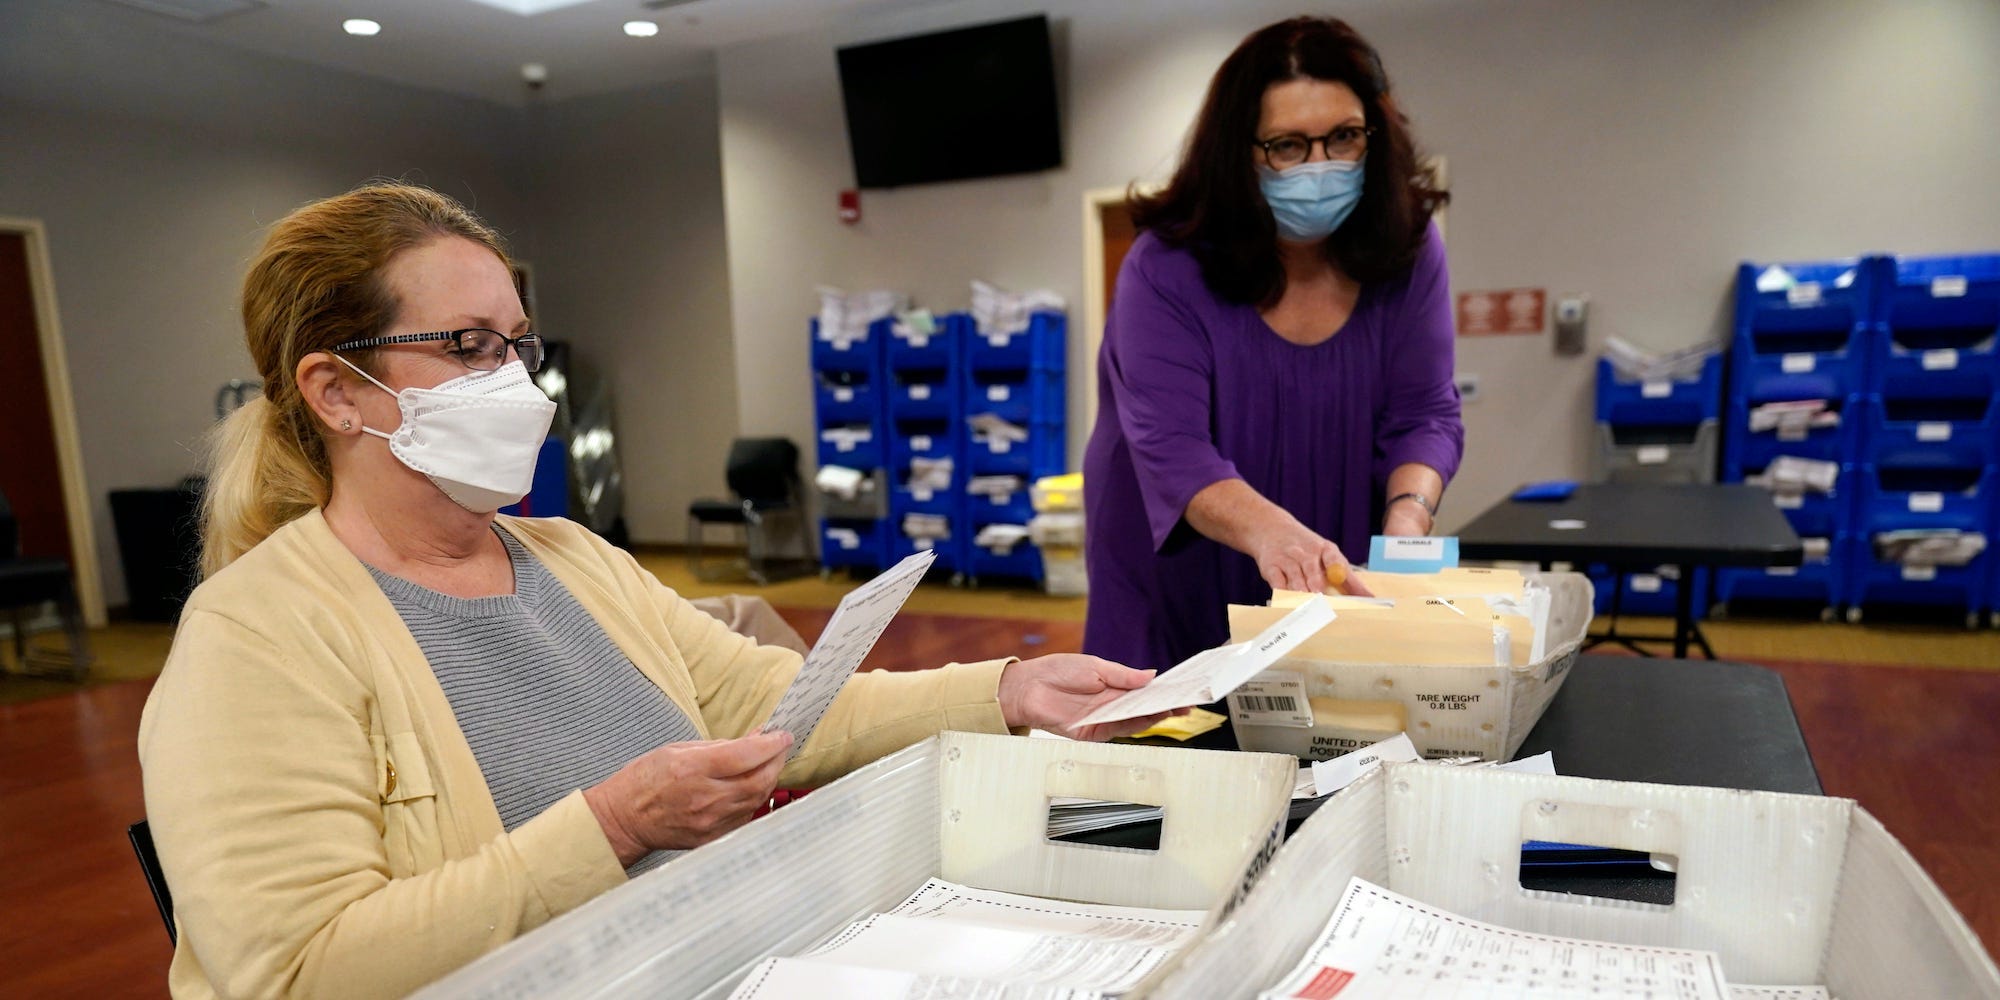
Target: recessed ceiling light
[361, 26]
[641, 29]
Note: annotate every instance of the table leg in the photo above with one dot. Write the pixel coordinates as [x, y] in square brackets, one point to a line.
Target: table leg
[1684, 623]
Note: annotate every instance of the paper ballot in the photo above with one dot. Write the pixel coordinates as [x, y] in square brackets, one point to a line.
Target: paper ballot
[1382, 945]
[849, 635]
[949, 941]
[1209, 676]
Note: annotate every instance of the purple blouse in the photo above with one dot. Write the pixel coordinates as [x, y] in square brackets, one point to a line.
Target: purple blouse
[1193, 390]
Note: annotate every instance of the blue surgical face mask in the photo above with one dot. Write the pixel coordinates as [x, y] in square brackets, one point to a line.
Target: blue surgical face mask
[1311, 200]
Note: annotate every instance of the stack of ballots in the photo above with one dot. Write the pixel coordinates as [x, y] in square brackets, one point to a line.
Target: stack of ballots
[1464, 660]
[1058, 529]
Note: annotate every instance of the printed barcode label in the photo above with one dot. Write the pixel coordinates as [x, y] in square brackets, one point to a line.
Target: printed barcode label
[1926, 503]
[997, 393]
[997, 340]
[843, 444]
[1948, 286]
[1002, 499]
[1655, 389]
[921, 442]
[1653, 454]
[841, 344]
[1781, 571]
[1000, 446]
[1934, 430]
[921, 495]
[1805, 293]
[920, 392]
[922, 544]
[1943, 359]
[1920, 573]
[1788, 501]
[919, 341]
[1796, 364]
[843, 395]
[1269, 703]
[1645, 583]
[1789, 432]
[1272, 698]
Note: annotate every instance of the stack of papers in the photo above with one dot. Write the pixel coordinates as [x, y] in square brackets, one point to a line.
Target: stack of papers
[1454, 617]
[997, 312]
[1638, 364]
[1001, 538]
[950, 941]
[1929, 546]
[1380, 944]
[930, 473]
[1789, 475]
[927, 527]
[844, 316]
[1793, 419]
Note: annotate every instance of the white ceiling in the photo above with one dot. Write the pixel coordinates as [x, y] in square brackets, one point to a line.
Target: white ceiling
[475, 49]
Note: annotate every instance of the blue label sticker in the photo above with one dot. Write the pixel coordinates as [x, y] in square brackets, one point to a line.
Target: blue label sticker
[1388, 554]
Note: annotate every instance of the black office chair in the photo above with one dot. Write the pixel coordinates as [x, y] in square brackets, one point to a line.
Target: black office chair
[763, 473]
[156, 880]
[30, 582]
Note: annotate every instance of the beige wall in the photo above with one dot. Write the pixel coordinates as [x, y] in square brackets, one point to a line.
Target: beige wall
[627, 199]
[155, 163]
[1632, 151]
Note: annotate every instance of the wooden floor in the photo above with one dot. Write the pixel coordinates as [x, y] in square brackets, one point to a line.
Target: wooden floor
[1914, 745]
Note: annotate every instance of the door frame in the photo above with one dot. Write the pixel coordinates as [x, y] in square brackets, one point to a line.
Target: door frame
[62, 416]
[1095, 295]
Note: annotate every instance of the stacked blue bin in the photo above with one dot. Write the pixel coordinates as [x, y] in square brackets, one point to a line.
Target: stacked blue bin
[849, 430]
[1020, 378]
[925, 413]
[1655, 430]
[1801, 333]
[1930, 438]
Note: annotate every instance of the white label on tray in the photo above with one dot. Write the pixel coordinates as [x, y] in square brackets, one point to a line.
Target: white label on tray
[1796, 364]
[1788, 501]
[922, 544]
[996, 393]
[1429, 549]
[841, 343]
[1644, 583]
[1567, 524]
[847, 538]
[1272, 698]
[843, 444]
[919, 341]
[1000, 445]
[1948, 286]
[1001, 499]
[1653, 454]
[843, 395]
[1920, 573]
[997, 339]
[1655, 388]
[920, 392]
[921, 442]
[1943, 359]
[1788, 432]
[920, 495]
[1934, 430]
[1330, 776]
[1805, 293]
[1781, 571]
[1926, 503]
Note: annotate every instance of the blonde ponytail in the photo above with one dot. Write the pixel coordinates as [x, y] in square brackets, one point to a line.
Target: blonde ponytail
[316, 282]
[258, 480]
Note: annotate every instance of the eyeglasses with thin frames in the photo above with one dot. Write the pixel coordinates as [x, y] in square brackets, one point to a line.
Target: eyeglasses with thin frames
[478, 348]
[1347, 142]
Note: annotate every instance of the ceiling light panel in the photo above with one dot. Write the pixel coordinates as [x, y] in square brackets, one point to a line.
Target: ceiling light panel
[529, 8]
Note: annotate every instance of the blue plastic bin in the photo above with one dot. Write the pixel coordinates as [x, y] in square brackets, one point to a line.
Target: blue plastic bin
[1647, 593]
[1659, 402]
[1932, 431]
[1041, 347]
[862, 355]
[845, 397]
[1744, 451]
[1821, 581]
[851, 543]
[864, 455]
[922, 393]
[939, 350]
[1937, 315]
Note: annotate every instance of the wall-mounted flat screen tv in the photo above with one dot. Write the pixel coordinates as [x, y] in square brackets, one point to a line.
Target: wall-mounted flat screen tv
[971, 102]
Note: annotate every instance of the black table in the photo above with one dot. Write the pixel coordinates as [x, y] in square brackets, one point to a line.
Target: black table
[1636, 526]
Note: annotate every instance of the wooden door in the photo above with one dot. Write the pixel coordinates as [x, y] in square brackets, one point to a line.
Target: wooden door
[30, 472]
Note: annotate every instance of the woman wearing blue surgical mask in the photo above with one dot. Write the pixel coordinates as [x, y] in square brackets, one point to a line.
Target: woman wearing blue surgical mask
[1275, 383]
[396, 729]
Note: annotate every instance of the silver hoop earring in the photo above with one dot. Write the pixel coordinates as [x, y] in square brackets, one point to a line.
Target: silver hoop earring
[345, 424]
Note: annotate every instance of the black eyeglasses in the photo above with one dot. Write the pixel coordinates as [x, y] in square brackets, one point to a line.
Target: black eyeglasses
[478, 348]
[1347, 142]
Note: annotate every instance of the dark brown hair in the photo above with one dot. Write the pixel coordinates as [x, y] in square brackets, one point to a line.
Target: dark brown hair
[1213, 206]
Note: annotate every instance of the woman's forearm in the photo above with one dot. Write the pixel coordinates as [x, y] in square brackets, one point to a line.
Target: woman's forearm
[1417, 478]
[1233, 513]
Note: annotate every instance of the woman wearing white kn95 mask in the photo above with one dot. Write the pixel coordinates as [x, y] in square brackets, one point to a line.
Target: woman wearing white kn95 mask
[397, 729]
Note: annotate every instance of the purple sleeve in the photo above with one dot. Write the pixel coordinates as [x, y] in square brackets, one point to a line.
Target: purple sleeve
[1159, 366]
[1420, 421]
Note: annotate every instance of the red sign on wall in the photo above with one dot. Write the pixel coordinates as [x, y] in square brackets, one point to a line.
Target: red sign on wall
[1509, 310]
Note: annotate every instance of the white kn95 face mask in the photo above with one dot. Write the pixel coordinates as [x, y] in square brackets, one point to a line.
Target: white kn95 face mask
[476, 437]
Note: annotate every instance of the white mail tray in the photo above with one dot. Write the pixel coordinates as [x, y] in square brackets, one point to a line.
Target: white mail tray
[1787, 889]
[1483, 711]
[968, 808]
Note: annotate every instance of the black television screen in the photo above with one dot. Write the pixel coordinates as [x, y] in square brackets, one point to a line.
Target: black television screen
[973, 102]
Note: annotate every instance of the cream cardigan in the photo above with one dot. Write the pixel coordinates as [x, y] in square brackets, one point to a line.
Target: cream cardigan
[323, 825]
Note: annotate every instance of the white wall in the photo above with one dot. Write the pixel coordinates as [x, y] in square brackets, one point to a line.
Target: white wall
[155, 163]
[628, 202]
[1633, 151]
